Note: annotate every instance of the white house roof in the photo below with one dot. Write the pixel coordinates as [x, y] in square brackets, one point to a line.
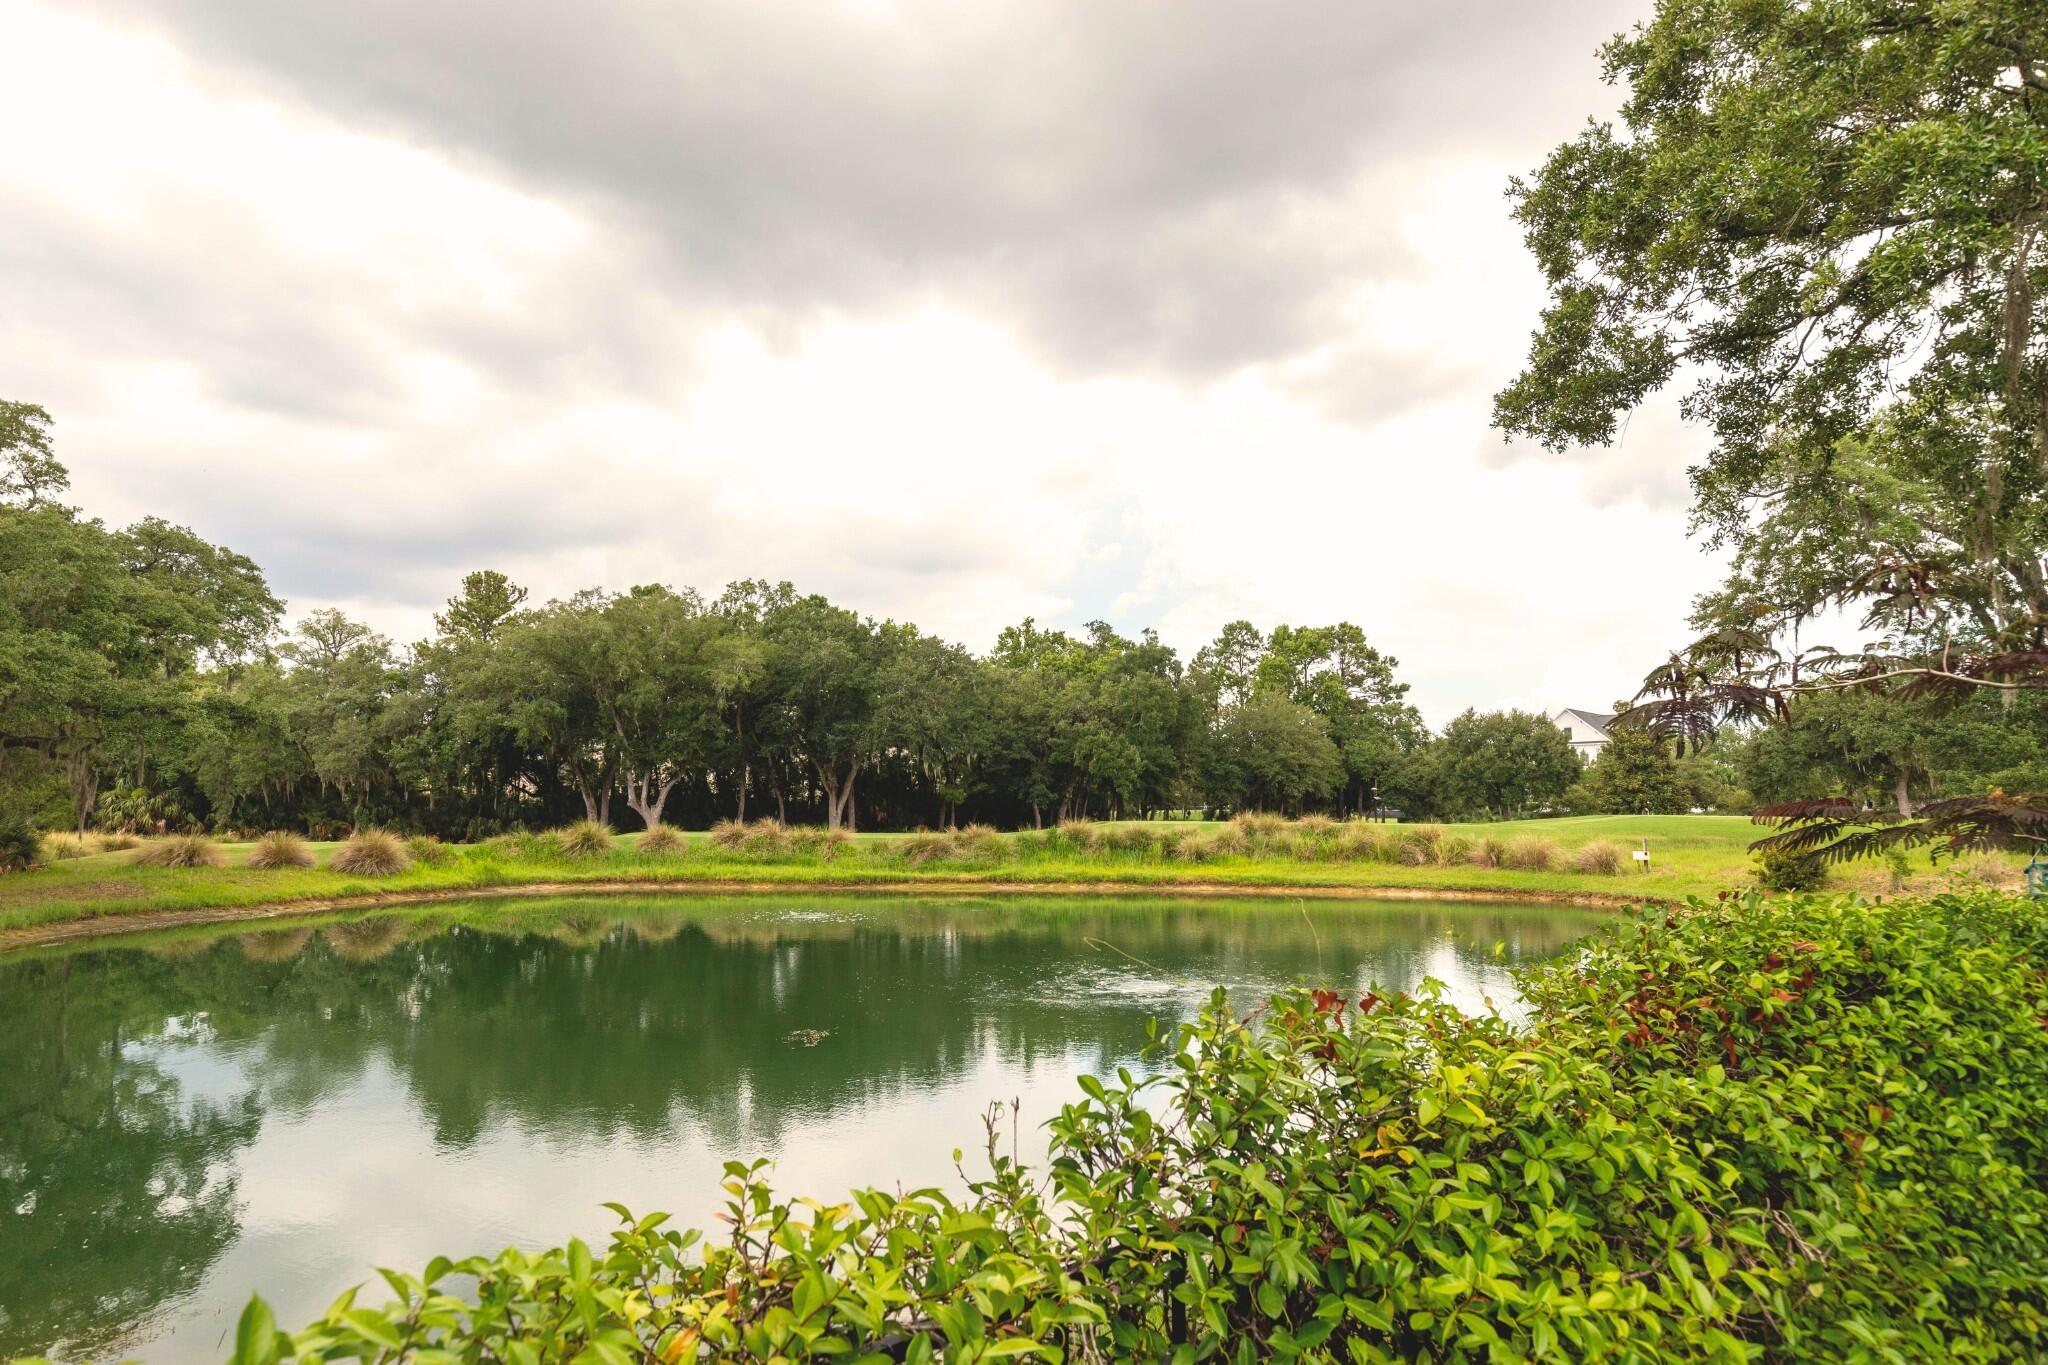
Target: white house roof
[1598, 720]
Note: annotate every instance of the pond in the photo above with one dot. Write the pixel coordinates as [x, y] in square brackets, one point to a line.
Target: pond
[188, 1118]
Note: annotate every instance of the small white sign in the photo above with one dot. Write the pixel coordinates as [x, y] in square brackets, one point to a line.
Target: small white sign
[1641, 855]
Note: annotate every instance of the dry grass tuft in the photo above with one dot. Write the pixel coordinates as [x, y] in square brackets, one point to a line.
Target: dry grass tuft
[115, 843]
[371, 853]
[661, 841]
[180, 850]
[1599, 858]
[428, 851]
[584, 839]
[1487, 851]
[1082, 836]
[1529, 853]
[59, 847]
[1259, 824]
[279, 849]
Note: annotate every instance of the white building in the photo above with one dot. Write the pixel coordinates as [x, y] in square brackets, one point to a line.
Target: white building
[1587, 730]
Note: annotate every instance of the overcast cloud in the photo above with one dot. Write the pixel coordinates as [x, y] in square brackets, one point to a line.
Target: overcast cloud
[955, 311]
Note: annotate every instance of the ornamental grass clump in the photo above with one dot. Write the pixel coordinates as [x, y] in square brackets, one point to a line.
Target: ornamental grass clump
[280, 849]
[660, 841]
[585, 839]
[371, 853]
[1487, 851]
[1598, 858]
[1529, 853]
[180, 850]
[428, 851]
[1758, 1130]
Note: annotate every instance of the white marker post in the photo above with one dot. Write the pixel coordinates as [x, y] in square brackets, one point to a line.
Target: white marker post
[1642, 855]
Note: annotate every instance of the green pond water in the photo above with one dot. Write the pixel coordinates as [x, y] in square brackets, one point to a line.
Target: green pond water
[185, 1119]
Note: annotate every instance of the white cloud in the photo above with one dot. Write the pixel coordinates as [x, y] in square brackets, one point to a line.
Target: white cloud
[374, 358]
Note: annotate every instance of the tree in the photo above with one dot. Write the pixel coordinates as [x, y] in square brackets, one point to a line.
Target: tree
[30, 474]
[1335, 673]
[488, 599]
[1832, 222]
[826, 664]
[1634, 775]
[1272, 754]
[1505, 762]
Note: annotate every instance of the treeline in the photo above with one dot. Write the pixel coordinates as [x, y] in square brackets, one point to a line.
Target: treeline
[145, 684]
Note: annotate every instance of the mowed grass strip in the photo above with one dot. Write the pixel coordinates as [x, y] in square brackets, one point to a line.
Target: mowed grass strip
[1691, 855]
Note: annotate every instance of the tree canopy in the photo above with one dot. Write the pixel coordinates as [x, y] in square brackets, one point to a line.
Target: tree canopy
[1829, 225]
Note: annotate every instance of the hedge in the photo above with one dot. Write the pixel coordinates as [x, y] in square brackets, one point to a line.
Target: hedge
[1807, 1128]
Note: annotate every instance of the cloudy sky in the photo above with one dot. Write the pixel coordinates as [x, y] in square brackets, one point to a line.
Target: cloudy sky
[956, 311]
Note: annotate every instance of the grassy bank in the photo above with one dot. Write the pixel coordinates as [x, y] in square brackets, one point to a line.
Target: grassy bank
[1583, 858]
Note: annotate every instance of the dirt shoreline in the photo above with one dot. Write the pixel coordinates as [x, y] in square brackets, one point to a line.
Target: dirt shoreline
[102, 926]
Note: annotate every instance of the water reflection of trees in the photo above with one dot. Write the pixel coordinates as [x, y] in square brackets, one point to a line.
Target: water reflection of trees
[579, 1020]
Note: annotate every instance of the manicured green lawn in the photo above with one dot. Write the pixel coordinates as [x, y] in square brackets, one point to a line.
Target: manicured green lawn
[1691, 855]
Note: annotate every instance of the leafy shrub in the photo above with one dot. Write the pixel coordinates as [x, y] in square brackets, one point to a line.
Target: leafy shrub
[1777, 870]
[20, 846]
[661, 841]
[1529, 853]
[585, 839]
[428, 851]
[1599, 858]
[1778, 1130]
[279, 849]
[180, 850]
[371, 853]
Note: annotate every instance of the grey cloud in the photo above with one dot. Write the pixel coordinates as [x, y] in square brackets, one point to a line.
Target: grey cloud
[1117, 178]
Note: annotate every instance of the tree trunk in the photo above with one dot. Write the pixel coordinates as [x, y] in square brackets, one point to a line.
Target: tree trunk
[646, 799]
[746, 774]
[1903, 796]
[85, 789]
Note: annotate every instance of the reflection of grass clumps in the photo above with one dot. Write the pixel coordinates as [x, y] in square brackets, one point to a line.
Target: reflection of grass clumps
[180, 850]
[582, 929]
[656, 928]
[661, 841]
[280, 849]
[371, 853]
[365, 940]
[274, 945]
